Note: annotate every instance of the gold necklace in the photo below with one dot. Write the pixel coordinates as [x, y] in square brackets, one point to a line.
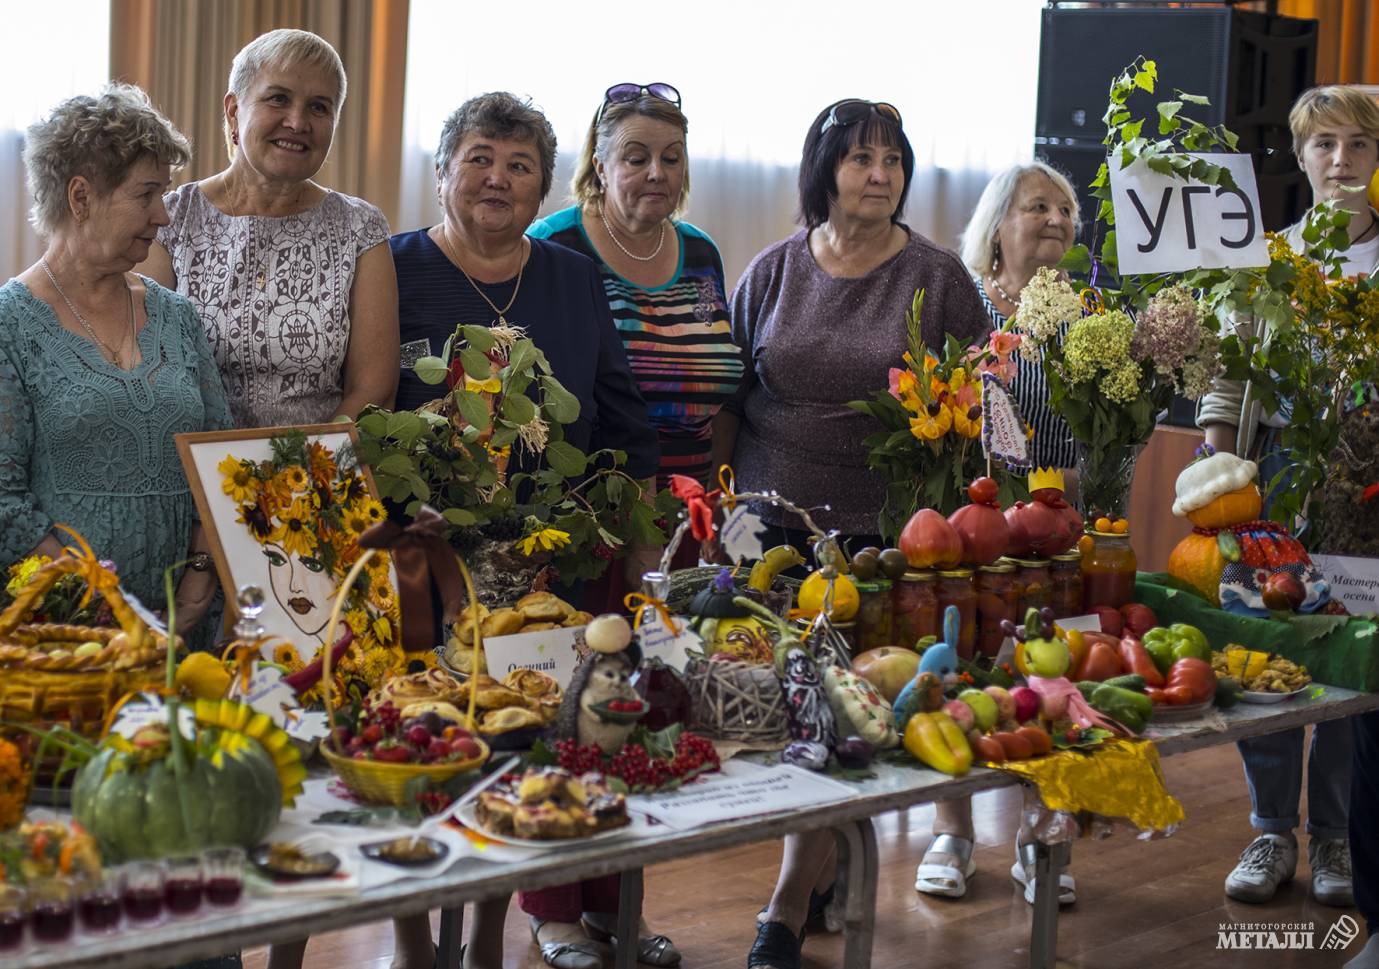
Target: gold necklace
[114, 354]
[521, 265]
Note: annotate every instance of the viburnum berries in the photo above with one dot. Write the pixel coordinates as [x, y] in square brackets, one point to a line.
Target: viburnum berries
[635, 767]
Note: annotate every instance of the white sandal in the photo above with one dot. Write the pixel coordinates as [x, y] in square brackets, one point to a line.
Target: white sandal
[946, 881]
[1023, 873]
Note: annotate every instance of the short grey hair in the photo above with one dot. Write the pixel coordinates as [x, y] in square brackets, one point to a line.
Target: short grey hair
[499, 114]
[99, 138]
[283, 48]
[978, 241]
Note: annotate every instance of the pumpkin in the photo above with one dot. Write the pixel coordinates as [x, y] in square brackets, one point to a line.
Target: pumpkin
[1197, 560]
[845, 597]
[1233, 508]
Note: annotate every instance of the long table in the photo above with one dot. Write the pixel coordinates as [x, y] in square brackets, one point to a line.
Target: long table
[469, 880]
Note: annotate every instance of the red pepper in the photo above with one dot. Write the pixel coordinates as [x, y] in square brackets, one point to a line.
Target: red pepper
[308, 676]
[1138, 661]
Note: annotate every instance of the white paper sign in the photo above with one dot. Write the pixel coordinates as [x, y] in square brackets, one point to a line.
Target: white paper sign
[134, 717]
[1086, 624]
[266, 693]
[1003, 430]
[741, 535]
[1354, 581]
[670, 646]
[1167, 224]
[741, 789]
[552, 651]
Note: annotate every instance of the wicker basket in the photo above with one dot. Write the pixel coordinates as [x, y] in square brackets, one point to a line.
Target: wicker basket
[376, 781]
[686, 583]
[741, 702]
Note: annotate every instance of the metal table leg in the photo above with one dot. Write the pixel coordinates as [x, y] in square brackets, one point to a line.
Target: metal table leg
[858, 868]
[1049, 862]
[452, 928]
[629, 918]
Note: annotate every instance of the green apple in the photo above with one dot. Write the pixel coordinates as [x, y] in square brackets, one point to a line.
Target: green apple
[984, 708]
[1048, 658]
[87, 649]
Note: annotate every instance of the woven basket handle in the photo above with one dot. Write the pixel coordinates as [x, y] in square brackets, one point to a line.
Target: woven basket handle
[46, 576]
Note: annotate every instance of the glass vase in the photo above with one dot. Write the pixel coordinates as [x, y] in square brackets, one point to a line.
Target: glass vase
[1104, 477]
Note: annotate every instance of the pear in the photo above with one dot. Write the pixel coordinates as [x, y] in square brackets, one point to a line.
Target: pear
[1048, 658]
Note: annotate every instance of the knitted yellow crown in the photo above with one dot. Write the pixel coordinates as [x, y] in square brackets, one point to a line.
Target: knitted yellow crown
[1046, 478]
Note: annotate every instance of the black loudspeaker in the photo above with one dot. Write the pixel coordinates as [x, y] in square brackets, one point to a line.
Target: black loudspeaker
[1252, 66]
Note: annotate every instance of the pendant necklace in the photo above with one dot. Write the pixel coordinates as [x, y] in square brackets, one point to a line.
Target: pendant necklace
[521, 265]
[114, 354]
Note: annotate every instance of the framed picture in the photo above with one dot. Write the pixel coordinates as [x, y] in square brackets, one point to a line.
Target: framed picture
[283, 508]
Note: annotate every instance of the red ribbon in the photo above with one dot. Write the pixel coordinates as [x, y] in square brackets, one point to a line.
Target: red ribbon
[699, 504]
[420, 554]
[1370, 492]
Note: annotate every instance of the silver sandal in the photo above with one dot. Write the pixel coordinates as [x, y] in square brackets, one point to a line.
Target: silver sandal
[652, 950]
[566, 955]
[947, 881]
[1023, 873]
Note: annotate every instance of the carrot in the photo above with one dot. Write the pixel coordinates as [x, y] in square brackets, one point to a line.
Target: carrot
[64, 857]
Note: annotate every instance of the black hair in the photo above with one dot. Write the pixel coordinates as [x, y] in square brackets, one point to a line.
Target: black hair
[823, 151]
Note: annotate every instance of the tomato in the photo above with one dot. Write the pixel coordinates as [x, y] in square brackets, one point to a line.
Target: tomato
[986, 749]
[1015, 746]
[1101, 663]
[983, 491]
[1039, 740]
[1196, 676]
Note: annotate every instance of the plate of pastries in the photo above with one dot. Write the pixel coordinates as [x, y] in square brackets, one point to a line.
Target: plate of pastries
[533, 613]
[546, 806]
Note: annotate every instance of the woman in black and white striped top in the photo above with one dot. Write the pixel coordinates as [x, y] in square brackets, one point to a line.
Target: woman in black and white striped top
[1025, 219]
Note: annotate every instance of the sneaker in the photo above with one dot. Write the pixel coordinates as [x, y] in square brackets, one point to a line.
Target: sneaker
[1266, 863]
[1330, 864]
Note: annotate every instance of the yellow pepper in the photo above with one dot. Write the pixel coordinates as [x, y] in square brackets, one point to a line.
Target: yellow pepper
[935, 739]
[1245, 664]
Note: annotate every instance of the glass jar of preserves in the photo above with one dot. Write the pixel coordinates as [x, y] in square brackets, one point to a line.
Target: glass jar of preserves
[874, 609]
[1065, 593]
[998, 598]
[956, 587]
[914, 608]
[1034, 578]
[1108, 571]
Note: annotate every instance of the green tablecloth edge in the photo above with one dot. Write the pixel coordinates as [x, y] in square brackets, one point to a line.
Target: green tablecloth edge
[1337, 650]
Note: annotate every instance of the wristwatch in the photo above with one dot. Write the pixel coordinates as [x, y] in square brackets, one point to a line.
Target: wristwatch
[200, 562]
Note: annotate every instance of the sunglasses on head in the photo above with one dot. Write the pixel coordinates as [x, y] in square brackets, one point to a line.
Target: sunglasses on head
[846, 113]
[627, 91]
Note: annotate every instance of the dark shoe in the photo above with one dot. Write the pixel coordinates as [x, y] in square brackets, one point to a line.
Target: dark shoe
[817, 919]
[776, 947]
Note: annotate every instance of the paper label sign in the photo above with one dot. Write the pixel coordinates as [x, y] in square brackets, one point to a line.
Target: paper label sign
[267, 693]
[741, 535]
[670, 646]
[741, 789]
[1003, 429]
[1167, 224]
[1354, 581]
[134, 717]
[554, 652]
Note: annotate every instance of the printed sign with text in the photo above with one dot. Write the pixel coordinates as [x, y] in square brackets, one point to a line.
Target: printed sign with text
[1354, 581]
[1168, 224]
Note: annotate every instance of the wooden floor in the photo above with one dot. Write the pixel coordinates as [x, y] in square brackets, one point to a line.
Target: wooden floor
[1141, 904]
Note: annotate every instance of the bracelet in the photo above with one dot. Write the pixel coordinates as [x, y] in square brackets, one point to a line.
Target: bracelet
[200, 562]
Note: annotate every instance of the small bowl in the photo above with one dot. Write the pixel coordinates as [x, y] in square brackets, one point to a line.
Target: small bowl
[621, 716]
[320, 865]
[406, 852]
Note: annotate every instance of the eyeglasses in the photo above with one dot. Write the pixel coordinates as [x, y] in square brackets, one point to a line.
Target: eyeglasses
[627, 91]
[845, 113]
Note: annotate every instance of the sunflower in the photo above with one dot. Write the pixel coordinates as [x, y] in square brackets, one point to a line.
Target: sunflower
[377, 564]
[381, 592]
[549, 539]
[295, 533]
[295, 477]
[371, 509]
[358, 621]
[355, 520]
[350, 489]
[285, 654]
[321, 464]
[240, 481]
[257, 518]
[377, 664]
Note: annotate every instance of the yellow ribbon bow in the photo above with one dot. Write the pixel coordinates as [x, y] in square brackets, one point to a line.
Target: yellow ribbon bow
[639, 604]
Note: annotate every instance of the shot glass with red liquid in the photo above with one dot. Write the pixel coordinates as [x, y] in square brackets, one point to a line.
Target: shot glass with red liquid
[184, 886]
[52, 909]
[98, 903]
[141, 891]
[224, 871]
[14, 914]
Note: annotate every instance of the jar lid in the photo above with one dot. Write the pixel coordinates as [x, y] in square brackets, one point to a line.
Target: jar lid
[997, 567]
[1032, 563]
[1073, 556]
[923, 575]
[955, 573]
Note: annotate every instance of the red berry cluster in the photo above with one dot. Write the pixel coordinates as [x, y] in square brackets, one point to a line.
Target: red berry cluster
[638, 769]
[603, 551]
[579, 760]
[693, 755]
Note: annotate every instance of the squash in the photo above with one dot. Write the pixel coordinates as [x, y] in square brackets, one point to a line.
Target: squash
[1244, 504]
[1197, 560]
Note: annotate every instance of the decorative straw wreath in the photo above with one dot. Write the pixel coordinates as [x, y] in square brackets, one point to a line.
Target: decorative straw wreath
[312, 503]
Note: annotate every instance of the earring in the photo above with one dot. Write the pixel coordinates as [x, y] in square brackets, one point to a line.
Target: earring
[234, 136]
[996, 260]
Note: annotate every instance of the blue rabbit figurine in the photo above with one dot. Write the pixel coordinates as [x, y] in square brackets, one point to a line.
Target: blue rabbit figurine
[941, 660]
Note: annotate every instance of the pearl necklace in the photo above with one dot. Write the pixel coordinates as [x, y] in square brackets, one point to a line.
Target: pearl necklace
[608, 227]
[1013, 301]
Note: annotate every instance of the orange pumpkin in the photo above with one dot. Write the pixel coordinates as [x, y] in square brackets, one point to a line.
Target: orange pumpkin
[1197, 560]
[1241, 505]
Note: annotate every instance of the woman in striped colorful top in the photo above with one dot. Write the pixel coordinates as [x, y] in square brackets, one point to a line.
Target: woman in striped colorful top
[662, 276]
[1026, 218]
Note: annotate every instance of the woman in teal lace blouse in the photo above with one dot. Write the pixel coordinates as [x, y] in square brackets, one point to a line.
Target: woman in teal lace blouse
[99, 367]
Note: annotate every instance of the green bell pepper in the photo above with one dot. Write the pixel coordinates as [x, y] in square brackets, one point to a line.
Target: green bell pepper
[1130, 708]
[1168, 644]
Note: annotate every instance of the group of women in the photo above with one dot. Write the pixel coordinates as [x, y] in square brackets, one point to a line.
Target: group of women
[263, 298]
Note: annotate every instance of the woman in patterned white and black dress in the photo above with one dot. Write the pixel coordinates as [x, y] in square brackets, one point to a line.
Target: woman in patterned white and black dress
[294, 282]
[1026, 218]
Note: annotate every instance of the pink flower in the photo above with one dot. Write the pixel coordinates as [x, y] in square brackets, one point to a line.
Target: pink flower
[1003, 368]
[1004, 344]
[900, 381]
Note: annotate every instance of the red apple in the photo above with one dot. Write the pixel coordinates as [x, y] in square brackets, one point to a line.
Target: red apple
[1111, 621]
[1283, 592]
[1139, 619]
[1026, 703]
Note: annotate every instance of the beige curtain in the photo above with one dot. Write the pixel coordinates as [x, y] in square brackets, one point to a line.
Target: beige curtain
[179, 51]
[1347, 38]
